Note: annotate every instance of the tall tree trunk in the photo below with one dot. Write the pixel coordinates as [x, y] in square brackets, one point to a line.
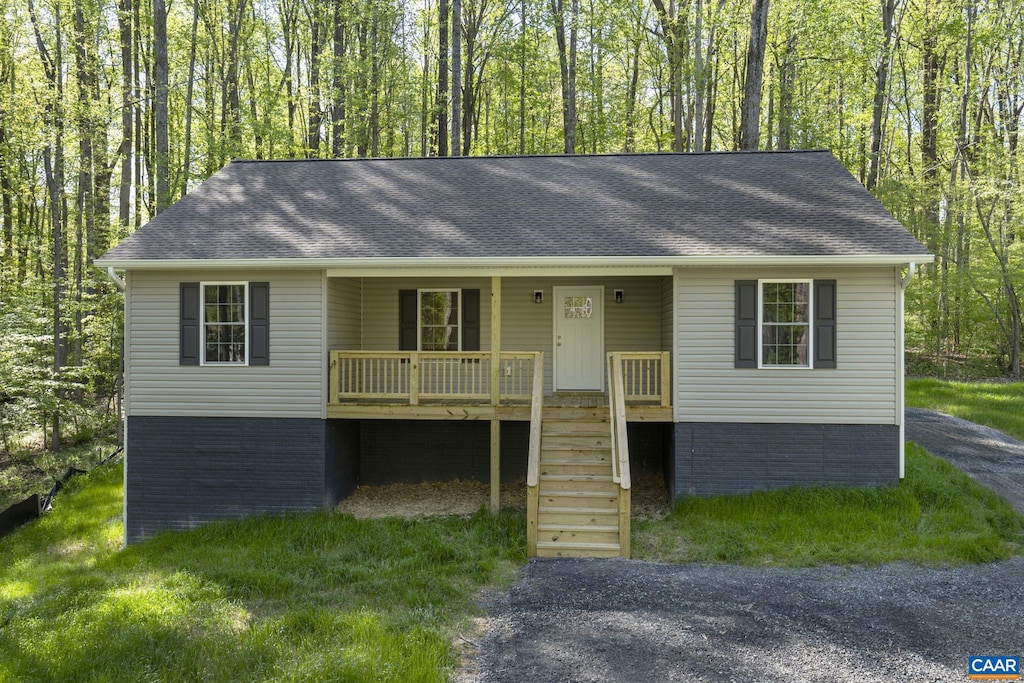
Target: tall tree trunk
[629, 143]
[315, 111]
[425, 92]
[53, 167]
[141, 151]
[442, 79]
[671, 22]
[236, 22]
[124, 192]
[750, 124]
[7, 198]
[522, 78]
[881, 90]
[163, 186]
[338, 83]
[787, 82]
[375, 61]
[567, 68]
[698, 78]
[288, 12]
[456, 141]
[84, 216]
[186, 164]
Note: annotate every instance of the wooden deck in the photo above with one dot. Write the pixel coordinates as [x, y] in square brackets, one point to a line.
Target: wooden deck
[465, 410]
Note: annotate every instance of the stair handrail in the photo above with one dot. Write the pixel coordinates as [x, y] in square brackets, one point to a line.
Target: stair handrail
[533, 458]
[620, 447]
[617, 410]
[536, 410]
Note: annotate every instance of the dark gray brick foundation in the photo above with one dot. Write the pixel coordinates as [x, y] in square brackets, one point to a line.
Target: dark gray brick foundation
[722, 458]
[184, 471]
[341, 464]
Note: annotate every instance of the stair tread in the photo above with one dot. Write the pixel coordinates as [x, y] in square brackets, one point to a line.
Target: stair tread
[577, 477]
[578, 545]
[573, 461]
[560, 509]
[541, 526]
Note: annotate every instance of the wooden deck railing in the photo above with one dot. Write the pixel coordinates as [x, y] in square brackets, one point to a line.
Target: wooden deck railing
[646, 377]
[617, 362]
[409, 376]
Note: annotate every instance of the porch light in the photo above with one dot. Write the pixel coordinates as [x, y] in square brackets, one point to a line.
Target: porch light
[538, 296]
[618, 296]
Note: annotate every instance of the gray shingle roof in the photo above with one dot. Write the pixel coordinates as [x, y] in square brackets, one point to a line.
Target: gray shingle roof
[647, 205]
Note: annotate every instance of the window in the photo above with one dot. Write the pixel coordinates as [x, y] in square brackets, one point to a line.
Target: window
[225, 332]
[440, 319]
[784, 316]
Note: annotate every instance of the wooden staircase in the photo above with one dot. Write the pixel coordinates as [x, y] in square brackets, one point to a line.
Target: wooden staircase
[579, 503]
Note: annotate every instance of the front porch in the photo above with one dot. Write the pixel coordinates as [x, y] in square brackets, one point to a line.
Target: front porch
[578, 471]
[565, 367]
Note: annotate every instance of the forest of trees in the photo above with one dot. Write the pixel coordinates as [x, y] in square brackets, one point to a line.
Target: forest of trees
[110, 110]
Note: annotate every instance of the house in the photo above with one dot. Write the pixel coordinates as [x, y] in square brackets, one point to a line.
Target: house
[731, 320]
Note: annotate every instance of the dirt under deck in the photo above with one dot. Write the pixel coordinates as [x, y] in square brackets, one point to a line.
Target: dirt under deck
[463, 498]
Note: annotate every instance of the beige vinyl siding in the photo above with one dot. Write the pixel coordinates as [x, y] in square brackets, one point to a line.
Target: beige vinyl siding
[344, 313]
[380, 307]
[634, 325]
[861, 390]
[290, 386]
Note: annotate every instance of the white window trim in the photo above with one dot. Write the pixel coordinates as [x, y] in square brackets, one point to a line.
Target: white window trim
[203, 323]
[810, 323]
[419, 313]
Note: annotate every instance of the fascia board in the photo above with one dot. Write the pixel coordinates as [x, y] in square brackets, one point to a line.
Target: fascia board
[562, 263]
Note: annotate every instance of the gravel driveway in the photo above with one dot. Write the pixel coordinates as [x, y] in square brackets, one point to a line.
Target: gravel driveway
[616, 620]
[990, 457]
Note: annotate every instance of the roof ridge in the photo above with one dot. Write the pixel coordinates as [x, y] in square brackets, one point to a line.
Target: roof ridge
[765, 152]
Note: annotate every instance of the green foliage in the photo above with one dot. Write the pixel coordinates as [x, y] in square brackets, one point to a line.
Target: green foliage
[29, 470]
[936, 515]
[296, 598]
[1000, 406]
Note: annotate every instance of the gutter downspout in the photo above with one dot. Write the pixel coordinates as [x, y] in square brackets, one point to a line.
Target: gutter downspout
[901, 366]
[118, 282]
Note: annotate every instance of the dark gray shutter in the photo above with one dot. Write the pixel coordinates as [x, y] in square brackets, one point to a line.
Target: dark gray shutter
[824, 323]
[471, 320]
[189, 324]
[746, 323]
[407, 320]
[259, 323]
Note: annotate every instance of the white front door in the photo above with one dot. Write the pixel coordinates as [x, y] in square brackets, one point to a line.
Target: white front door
[579, 338]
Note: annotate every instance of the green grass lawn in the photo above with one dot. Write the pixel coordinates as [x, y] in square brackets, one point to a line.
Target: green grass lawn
[1000, 406]
[936, 515]
[309, 597]
[322, 596]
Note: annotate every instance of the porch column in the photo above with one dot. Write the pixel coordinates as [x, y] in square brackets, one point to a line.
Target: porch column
[495, 392]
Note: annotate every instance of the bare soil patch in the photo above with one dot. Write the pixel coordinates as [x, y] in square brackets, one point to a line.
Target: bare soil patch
[428, 499]
[463, 498]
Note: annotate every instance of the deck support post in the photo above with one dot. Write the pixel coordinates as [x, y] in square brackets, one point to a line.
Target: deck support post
[496, 371]
[495, 464]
